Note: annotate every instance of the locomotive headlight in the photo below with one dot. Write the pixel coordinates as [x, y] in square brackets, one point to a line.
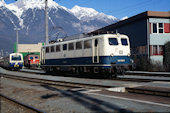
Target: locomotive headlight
[132, 61]
[111, 54]
[128, 54]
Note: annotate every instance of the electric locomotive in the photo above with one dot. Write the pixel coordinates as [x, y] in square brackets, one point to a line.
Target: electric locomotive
[31, 60]
[14, 61]
[106, 54]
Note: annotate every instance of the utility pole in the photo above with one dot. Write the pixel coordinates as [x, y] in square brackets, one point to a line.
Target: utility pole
[46, 22]
[17, 29]
[2, 53]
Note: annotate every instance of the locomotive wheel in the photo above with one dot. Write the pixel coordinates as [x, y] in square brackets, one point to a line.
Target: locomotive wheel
[122, 71]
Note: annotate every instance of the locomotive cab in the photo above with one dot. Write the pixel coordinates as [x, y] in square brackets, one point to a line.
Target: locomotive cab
[119, 50]
[16, 61]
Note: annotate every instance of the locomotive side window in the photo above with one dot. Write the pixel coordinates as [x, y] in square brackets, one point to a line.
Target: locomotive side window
[78, 45]
[87, 44]
[36, 57]
[124, 42]
[47, 50]
[113, 41]
[52, 48]
[64, 47]
[71, 46]
[58, 48]
[96, 42]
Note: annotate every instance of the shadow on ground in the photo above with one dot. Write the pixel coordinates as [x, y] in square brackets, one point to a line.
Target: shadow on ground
[93, 104]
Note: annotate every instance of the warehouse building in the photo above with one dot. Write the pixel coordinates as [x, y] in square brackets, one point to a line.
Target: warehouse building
[26, 49]
[148, 33]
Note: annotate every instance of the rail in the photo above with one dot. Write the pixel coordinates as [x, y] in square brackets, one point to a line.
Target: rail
[22, 104]
[58, 83]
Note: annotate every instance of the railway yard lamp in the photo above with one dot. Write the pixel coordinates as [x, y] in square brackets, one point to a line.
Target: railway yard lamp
[17, 29]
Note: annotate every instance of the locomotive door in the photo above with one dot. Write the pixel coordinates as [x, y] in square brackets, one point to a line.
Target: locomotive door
[42, 55]
[95, 51]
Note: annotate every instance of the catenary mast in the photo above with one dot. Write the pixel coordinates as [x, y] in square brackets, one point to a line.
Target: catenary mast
[46, 21]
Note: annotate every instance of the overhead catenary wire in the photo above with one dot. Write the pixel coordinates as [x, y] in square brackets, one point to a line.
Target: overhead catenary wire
[130, 8]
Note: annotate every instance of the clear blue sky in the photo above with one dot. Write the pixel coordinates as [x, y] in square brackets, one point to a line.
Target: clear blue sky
[117, 8]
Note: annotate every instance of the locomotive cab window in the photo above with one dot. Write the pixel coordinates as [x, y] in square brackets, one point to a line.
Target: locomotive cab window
[64, 47]
[16, 58]
[124, 42]
[71, 46]
[113, 41]
[36, 57]
[57, 48]
[31, 58]
[47, 50]
[87, 44]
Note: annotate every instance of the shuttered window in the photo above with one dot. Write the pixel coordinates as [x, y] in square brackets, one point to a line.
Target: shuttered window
[156, 50]
[157, 27]
[166, 27]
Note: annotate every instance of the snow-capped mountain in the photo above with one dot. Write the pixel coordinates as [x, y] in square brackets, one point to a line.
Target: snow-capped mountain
[28, 15]
[88, 14]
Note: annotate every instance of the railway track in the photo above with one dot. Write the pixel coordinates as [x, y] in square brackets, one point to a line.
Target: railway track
[144, 77]
[10, 105]
[72, 85]
[141, 73]
[57, 83]
[144, 73]
[120, 77]
[138, 79]
[75, 85]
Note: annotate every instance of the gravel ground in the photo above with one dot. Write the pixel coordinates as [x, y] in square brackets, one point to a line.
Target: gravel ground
[53, 99]
[29, 93]
[8, 106]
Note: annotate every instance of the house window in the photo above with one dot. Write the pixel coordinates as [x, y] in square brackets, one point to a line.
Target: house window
[161, 27]
[157, 28]
[157, 50]
[154, 28]
[160, 50]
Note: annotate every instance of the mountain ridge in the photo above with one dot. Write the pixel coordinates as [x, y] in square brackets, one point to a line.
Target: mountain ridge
[29, 17]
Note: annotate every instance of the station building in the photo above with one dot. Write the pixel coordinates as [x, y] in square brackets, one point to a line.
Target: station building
[26, 49]
[148, 33]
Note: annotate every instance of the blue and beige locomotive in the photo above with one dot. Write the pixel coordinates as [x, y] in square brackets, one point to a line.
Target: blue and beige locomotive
[14, 61]
[105, 54]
